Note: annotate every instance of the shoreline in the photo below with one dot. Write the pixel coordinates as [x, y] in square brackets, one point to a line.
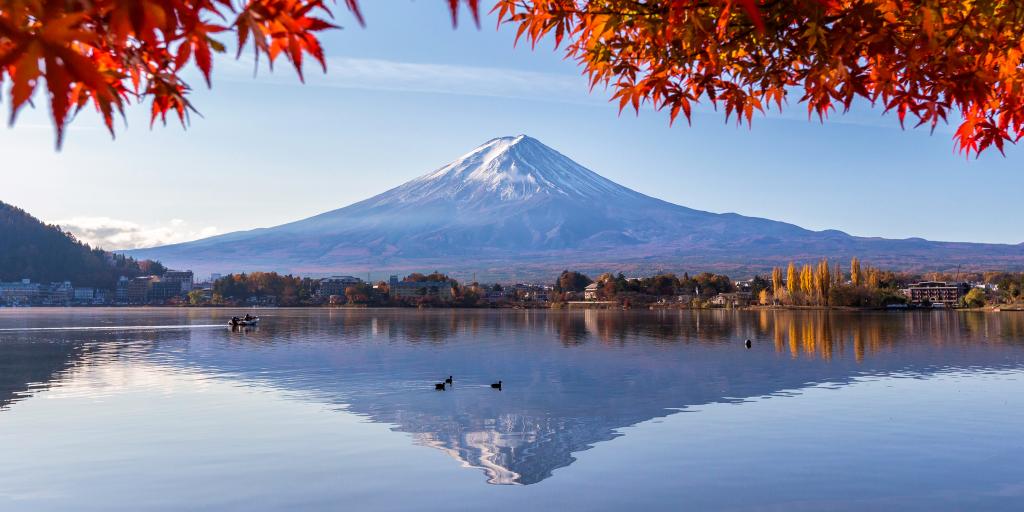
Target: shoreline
[1005, 308]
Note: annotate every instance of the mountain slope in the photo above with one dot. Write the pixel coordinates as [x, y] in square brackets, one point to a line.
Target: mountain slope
[44, 253]
[514, 201]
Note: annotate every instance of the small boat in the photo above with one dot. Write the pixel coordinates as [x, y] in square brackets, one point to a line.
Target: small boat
[248, 321]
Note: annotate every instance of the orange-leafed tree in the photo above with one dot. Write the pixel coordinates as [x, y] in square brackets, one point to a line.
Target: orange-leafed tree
[109, 53]
[923, 59]
[928, 60]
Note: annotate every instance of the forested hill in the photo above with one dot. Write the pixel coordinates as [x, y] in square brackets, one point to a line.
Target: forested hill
[44, 253]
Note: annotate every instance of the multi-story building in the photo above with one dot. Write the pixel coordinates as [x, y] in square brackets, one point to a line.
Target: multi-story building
[183, 277]
[121, 290]
[26, 292]
[57, 294]
[19, 292]
[84, 294]
[936, 292]
[735, 299]
[137, 289]
[335, 285]
[161, 290]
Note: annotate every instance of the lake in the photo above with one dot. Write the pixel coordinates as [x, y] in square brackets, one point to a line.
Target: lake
[320, 409]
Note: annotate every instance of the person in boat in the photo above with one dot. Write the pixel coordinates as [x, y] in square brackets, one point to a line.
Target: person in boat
[248, 317]
[234, 320]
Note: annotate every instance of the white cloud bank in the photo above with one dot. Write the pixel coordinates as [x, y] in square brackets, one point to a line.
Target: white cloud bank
[111, 233]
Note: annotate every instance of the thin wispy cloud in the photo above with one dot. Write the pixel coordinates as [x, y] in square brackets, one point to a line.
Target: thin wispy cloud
[397, 76]
[111, 233]
[389, 75]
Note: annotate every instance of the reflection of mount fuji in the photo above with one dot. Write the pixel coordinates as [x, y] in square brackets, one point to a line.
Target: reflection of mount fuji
[572, 379]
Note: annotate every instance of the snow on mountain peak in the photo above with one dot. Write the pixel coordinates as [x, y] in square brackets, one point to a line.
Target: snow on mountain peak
[507, 169]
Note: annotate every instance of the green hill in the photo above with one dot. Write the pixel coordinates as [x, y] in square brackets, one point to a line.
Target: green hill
[42, 252]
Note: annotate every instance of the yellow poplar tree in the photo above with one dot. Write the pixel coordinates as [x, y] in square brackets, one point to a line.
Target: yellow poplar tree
[806, 279]
[822, 280]
[855, 271]
[874, 278]
[776, 280]
[791, 284]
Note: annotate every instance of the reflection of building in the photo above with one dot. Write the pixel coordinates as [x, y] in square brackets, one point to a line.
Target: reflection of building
[335, 285]
[936, 292]
[551, 409]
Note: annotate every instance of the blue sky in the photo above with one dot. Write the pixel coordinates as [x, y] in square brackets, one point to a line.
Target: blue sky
[407, 94]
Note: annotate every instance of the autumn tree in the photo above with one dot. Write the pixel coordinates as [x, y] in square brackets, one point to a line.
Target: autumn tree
[975, 298]
[925, 59]
[822, 281]
[110, 53]
[776, 280]
[874, 278]
[571, 281]
[855, 275]
[791, 282]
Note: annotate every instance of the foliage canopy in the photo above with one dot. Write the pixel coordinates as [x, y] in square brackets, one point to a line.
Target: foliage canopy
[923, 59]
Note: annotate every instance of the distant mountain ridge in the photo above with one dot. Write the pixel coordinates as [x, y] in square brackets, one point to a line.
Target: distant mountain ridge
[513, 207]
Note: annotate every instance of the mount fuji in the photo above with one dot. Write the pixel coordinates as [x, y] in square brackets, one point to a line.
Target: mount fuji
[515, 208]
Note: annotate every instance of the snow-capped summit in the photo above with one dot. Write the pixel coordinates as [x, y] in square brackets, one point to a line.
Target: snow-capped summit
[515, 207]
[509, 169]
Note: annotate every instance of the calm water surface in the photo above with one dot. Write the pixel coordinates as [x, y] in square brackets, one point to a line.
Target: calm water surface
[164, 409]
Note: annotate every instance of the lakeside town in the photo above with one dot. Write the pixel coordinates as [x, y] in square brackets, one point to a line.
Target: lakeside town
[817, 285]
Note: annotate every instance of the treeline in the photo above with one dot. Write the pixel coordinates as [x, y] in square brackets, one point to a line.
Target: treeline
[282, 290]
[818, 284]
[618, 287]
[45, 253]
[271, 288]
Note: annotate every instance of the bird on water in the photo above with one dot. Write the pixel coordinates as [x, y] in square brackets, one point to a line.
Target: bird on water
[496, 385]
[448, 380]
[439, 386]
[748, 343]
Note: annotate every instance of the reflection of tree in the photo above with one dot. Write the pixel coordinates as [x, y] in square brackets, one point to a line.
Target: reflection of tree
[801, 334]
[578, 377]
[33, 361]
[26, 367]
